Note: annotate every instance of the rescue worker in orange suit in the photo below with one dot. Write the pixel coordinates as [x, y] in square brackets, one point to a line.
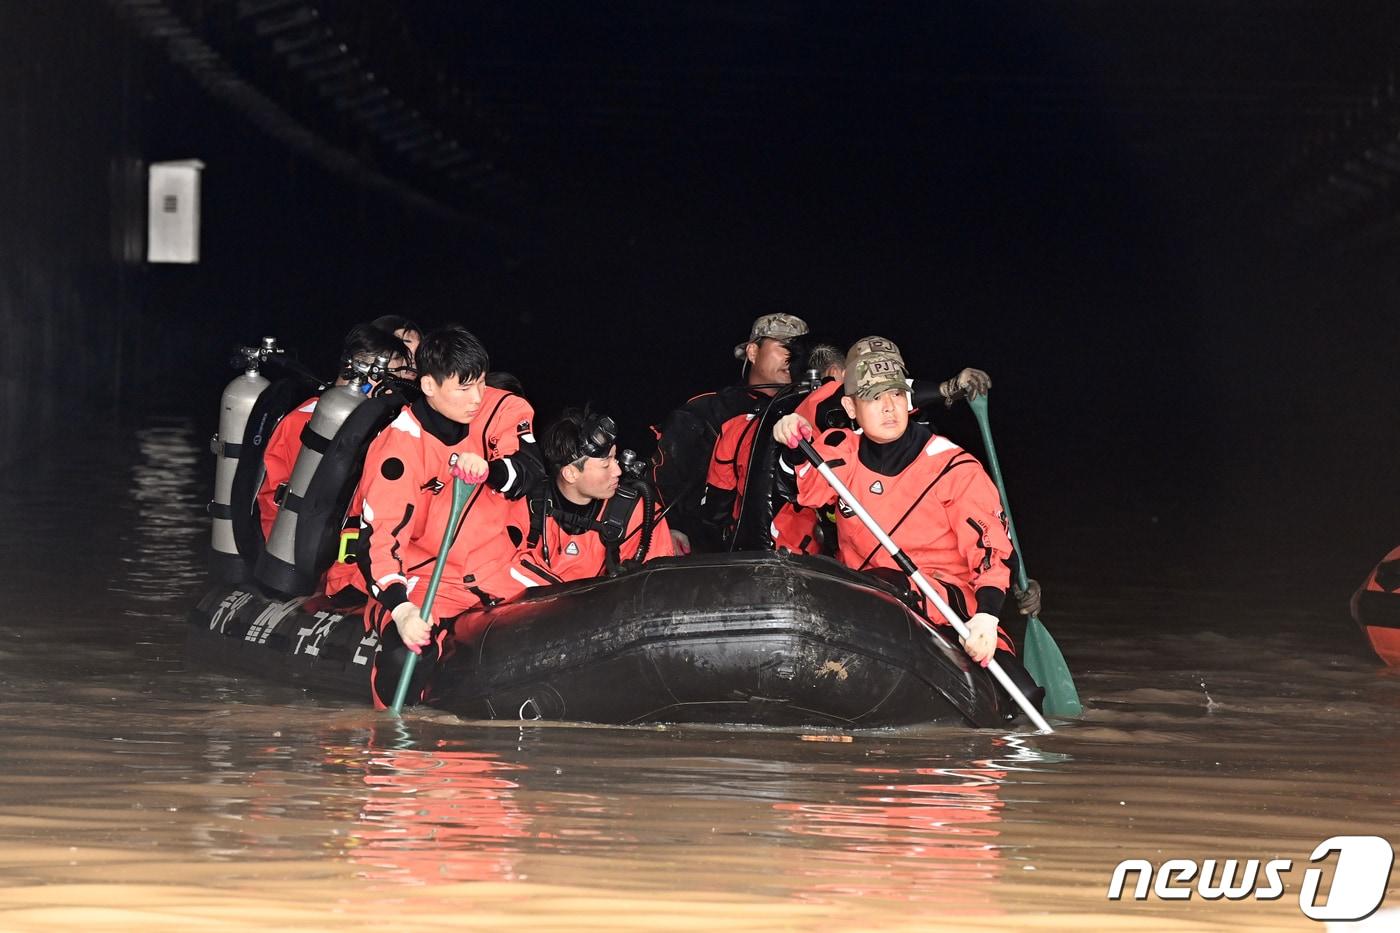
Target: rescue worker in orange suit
[823, 409]
[343, 574]
[685, 439]
[932, 497]
[584, 520]
[459, 426]
[362, 345]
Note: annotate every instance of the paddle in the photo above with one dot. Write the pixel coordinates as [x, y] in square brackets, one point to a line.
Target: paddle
[914, 573]
[1042, 656]
[461, 490]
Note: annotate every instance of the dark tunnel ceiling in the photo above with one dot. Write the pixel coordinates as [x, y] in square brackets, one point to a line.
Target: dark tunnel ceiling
[1281, 114]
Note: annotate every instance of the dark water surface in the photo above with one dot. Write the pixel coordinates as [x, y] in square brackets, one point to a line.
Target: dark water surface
[140, 792]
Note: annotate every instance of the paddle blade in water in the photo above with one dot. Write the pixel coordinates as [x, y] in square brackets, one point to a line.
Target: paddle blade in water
[1046, 664]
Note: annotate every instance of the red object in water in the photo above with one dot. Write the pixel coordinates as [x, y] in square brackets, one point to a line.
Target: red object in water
[1376, 608]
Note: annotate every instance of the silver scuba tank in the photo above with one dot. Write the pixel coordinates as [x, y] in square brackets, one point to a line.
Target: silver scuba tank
[225, 563]
[277, 566]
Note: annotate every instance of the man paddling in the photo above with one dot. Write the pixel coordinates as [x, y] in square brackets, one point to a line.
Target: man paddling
[460, 425]
[932, 497]
[823, 409]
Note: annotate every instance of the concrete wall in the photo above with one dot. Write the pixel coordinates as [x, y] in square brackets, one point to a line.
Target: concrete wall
[70, 193]
[87, 328]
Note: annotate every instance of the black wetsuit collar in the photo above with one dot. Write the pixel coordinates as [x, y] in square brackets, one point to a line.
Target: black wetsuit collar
[892, 458]
[575, 519]
[439, 425]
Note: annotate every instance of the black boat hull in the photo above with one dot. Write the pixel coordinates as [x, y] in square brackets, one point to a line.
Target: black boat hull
[764, 639]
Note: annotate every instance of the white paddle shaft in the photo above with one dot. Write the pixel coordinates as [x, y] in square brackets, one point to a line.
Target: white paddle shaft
[917, 576]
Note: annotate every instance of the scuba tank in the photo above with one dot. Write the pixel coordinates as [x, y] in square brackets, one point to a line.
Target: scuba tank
[276, 402]
[758, 505]
[277, 566]
[226, 563]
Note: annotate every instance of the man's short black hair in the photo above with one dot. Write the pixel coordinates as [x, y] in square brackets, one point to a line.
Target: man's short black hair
[396, 322]
[452, 351]
[578, 433]
[367, 340]
[560, 441]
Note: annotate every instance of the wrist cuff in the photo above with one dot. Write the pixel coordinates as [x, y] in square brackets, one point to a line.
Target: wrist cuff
[990, 599]
[501, 475]
[391, 597]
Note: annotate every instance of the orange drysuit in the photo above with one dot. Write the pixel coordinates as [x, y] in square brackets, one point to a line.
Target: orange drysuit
[939, 506]
[405, 500]
[685, 441]
[811, 406]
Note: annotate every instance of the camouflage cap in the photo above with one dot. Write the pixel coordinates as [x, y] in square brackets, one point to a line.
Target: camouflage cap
[873, 345]
[875, 365]
[781, 327]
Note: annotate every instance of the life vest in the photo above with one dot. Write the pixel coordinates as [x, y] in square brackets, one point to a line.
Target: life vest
[1376, 608]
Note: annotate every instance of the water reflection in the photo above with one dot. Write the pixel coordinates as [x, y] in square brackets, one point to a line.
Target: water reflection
[438, 816]
[926, 835]
[836, 825]
[163, 541]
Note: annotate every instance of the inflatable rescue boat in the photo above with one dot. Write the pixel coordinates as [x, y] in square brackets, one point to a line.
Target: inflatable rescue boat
[760, 638]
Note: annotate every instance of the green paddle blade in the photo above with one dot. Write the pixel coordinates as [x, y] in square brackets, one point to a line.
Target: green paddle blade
[1047, 666]
[1040, 655]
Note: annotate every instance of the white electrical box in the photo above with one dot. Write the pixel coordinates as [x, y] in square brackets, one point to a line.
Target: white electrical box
[172, 212]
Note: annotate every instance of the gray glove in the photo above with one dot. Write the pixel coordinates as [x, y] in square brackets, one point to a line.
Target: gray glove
[1027, 600]
[970, 383]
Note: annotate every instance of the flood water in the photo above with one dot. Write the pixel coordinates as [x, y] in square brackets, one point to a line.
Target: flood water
[138, 791]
